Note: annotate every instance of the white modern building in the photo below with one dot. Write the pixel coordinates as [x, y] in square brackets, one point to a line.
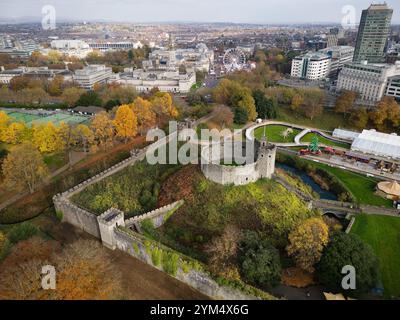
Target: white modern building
[7, 75]
[119, 45]
[199, 58]
[370, 81]
[393, 87]
[166, 81]
[72, 48]
[340, 55]
[378, 144]
[311, 66]
[91, 75]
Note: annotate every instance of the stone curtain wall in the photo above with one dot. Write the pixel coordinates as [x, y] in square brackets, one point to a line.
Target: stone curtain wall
[187, 270]
[76, 216]
[79, 217]
[157, 216]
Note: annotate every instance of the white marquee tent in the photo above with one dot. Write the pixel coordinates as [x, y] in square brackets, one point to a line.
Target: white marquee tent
[377, 143]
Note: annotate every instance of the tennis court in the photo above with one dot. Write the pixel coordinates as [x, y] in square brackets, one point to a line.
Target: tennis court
[30, 117]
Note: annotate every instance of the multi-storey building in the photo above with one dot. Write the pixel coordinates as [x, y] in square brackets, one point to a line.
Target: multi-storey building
[91, 75]
[121, 45]
[373, 34]
[311, 66]
[72, 48]
[393, 87]
[340, 55]
[166, 81]
[370, 81]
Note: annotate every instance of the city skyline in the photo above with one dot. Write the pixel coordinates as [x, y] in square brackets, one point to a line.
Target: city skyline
[234, 11]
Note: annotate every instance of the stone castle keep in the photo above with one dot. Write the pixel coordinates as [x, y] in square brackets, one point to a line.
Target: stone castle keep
[118, 233]
[261, 166]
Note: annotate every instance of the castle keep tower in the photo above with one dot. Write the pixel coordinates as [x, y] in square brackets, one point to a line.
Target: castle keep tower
[265, 164]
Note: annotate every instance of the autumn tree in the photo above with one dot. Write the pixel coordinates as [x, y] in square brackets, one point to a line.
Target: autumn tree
[359, 118]
[163, 105]
[238, 97]
[103, 129]
[24, 168]
[386, 115]
[223, 116]
[146, 118]
[83, 136]
[307, 242]
[297, 101]
[119, 94]
[13, 134]
[222, 250]
[4, 122]
[345, 102]
[313, 103]
[47, 138]
[55, 87]
[125, 123]
[84, 272]
[71, 95]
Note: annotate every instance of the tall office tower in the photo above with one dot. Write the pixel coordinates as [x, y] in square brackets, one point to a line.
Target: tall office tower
[373, 33]
[333, 37]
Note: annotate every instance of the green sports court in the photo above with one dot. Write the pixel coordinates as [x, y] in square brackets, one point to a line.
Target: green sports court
[36, 117]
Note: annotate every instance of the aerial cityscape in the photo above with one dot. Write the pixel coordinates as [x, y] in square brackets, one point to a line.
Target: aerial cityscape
[176, 150]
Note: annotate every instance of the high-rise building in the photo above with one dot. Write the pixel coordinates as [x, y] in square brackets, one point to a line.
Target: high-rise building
[311, 66]
[373, 33]
[333, 37]
[370, 81]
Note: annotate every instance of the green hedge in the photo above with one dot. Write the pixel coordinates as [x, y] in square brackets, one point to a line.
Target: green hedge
[34, 106]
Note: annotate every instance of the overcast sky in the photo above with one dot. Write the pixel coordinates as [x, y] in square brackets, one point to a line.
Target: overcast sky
[241, 11]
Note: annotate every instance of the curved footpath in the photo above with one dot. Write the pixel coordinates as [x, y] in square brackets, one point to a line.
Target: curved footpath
[297, 140]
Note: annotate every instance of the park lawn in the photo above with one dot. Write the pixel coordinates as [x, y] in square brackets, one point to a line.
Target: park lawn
[274, 133]
[325, 141]
[382, 233]
[327, 121]
[362, 187]
[55, 160]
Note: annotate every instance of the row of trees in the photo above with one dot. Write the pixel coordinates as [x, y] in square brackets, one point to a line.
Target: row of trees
[84, 270]
[385, 116]
[23, 168]
[238, 97]
[313, 246]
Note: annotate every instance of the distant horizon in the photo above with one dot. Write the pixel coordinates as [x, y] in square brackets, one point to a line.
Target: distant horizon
[252, 12]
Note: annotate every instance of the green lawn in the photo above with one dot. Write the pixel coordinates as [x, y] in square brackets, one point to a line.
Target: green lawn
[325, 141]
[327, 121]
[274, 133]
[382, 233]
[55, 161]
[362, 187]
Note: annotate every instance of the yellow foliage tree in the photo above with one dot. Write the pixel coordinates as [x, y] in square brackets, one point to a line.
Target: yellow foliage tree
[146, 118]
[83, 136]
[47, 138]
[103, 129]
[163, 105]
[24, 168]
[125, 122]
[13, 133]
[307, 242]
[4, 121]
